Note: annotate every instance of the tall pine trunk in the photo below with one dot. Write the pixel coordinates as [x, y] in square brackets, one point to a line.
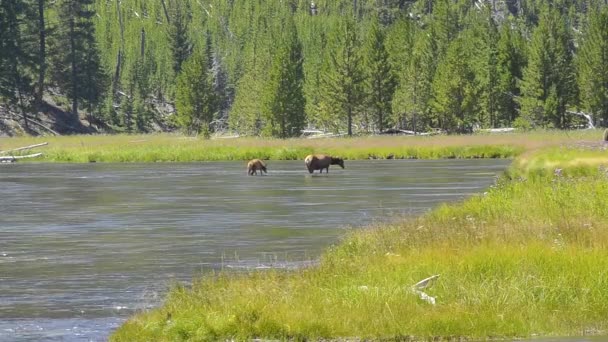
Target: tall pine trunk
[41, 53]
[74, 71]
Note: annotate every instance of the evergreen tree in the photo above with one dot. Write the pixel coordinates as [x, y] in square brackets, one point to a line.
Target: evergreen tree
[16, 62]
[77, 69]
[455, 96]
[177, 34]
[482, 36]
[284, 103]
[411, 102]
[380, 81]
[195, 100]
[548, 85]
[342, 84]
[510, 62]
[592, 63]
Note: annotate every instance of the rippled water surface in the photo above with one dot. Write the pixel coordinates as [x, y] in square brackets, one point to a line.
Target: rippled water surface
[84, 245]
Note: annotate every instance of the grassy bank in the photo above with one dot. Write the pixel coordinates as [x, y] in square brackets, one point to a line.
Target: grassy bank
[175, 148]
[527, 258]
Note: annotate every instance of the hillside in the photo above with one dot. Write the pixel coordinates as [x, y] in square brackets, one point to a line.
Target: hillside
[273, 68]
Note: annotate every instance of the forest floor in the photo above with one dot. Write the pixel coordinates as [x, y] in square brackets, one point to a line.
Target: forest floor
[51, 119]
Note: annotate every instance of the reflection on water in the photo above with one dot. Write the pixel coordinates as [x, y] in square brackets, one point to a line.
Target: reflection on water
[83, 246]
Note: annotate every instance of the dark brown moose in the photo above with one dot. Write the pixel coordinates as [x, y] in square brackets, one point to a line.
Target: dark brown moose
[254, 165]
[320, 161]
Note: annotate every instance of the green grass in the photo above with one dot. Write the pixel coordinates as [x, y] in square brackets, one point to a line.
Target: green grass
[527, 258]
[178, 148]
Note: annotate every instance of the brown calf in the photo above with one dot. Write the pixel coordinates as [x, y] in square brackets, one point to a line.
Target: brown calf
[254, 165]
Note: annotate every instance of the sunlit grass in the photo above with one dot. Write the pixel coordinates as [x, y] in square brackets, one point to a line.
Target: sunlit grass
[527, 258]
[178, 148]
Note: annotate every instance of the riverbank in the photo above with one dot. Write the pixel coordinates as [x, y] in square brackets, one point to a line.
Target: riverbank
[526, 258]
[177, 148]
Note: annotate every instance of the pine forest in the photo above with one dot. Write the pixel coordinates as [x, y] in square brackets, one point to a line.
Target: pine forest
[275, 68]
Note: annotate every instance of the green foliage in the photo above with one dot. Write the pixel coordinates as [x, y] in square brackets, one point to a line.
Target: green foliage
[380, 80]
[455, 96]
[342, 84]
[16, 57]
[413, 94]
[510, 62]
[519, 54]
[592, 62]
[177, 33]
[195, 100]
[75, 58]
[284, 102]
[548, 86]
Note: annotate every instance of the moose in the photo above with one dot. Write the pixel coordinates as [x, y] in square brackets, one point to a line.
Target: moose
[320, 161]
[254, 165]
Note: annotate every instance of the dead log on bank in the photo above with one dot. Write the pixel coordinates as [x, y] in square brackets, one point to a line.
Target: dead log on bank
[12, 159]
[24, 148]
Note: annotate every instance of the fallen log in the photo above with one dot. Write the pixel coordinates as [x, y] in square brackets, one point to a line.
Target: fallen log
[12, 159]
[24, 148]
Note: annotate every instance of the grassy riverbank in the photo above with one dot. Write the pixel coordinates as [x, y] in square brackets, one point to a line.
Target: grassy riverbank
[527, 258]
[176, 148]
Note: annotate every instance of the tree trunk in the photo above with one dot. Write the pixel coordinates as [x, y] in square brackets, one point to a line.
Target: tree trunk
[74, 71]
[166, 12]
[350, 121]
[42, 52]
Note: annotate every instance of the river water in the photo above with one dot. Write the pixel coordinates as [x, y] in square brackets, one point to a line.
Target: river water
[83, 246]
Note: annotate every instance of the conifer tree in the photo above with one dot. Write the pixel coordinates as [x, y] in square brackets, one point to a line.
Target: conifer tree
[195, 100]
[16, 62]
[284, 101]
[342, 84]
[77, 69]
[380, 80]
[592, 63]
[411, 102]
[482, 36]
[510, 62]
[177, 34]
[455, 97]
[548, 84]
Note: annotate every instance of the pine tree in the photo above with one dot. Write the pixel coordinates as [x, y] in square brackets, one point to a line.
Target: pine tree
[548, 85]
[592, 63]
[177, 34]
[77, 69]
[16, 62]
[411, 102]
[455, 96]
[482, 36]
[510, 62]
[195, 100]
[284, 104]
[380, 80]
[342, 87]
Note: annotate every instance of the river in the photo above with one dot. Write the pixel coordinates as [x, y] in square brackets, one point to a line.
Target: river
[83, 246]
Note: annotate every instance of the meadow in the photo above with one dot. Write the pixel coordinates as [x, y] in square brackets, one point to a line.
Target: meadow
[178, 148]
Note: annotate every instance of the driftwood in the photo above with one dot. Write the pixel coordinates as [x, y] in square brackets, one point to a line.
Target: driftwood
[12, 159]
[586, 116]
[24, 148]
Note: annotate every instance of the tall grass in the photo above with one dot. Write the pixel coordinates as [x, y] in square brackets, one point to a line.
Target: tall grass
[177, 148]
[529, 257]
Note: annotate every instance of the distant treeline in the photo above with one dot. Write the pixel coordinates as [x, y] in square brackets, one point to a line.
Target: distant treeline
[273, 68]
